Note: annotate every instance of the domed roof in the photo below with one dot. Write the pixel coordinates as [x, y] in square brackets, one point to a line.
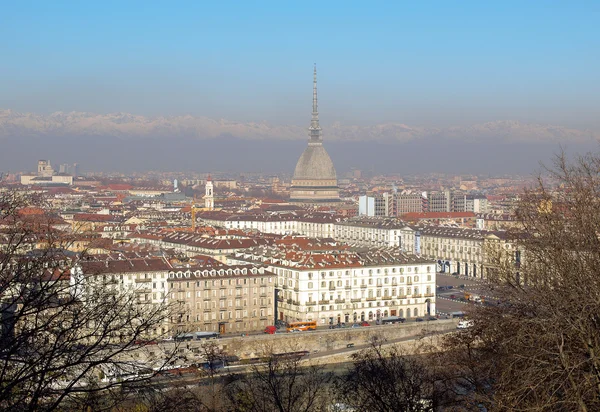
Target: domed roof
[315, 163]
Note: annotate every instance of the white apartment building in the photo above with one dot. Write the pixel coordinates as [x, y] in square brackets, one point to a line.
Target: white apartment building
[348, 286]
[376, 233]
[466, 252]
[307, 224]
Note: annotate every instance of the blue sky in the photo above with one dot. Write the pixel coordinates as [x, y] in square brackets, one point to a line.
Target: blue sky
[427, 63]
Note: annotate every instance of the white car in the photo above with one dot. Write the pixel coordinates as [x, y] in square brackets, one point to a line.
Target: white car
[464, 324]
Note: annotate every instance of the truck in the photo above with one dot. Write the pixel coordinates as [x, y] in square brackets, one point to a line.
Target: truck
[270, 330]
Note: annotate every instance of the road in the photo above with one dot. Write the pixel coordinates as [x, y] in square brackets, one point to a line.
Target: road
[448, 300]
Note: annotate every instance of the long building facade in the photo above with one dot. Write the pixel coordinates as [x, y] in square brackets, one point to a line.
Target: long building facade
[350, 286]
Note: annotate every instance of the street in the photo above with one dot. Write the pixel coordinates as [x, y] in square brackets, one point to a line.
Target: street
[448, 300]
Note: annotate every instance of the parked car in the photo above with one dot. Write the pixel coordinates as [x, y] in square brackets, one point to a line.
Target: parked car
[464, 324]
[452, 296]
[431, 318]
[419, 320]
[355, 325]
[365, 323]
[350, 345]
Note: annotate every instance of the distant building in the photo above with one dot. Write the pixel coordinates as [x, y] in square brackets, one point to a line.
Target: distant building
[366, 206]
[46, 176]
[45, 168]
[378, 205]
[439, 201]
[209, 196]
[477, 204]
[315, 179]
[410, 203]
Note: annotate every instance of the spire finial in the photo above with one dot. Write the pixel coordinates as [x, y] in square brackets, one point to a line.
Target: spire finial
[315, 129]
[315, 110]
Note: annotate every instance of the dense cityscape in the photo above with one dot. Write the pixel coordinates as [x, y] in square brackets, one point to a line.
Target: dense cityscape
[194, 216]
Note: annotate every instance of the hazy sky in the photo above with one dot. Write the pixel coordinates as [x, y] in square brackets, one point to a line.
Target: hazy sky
[428, 63]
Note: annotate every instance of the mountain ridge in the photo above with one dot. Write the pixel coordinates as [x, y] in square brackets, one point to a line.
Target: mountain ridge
[127, 125]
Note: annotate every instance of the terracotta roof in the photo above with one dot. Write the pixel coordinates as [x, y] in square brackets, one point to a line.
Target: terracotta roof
[125, 266]
[437, 215]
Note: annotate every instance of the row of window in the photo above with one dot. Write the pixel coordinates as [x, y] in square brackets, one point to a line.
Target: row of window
[227, 315]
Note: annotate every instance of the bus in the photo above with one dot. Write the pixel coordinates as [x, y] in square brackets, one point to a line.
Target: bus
[392, 320]
[302, 326]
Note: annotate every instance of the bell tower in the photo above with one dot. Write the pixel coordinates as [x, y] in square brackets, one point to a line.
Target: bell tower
[209, 200]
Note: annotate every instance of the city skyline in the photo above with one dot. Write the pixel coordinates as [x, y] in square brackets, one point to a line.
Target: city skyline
[403, 88]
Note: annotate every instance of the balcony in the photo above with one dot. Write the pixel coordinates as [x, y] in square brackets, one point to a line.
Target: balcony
[355, 300]
[363, 286]
[401, 296]
[279, 298]
[310, 303]
[296, 289]
[284, 287]
[429, 295]
[323, 302]
[417, 296]
[387, 298]
[144, 289]
[371, 299]
[331, 287]
[340, 301]
[347, 287]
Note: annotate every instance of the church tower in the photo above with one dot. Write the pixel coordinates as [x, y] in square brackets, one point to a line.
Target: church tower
[209, 200]
[315, 179]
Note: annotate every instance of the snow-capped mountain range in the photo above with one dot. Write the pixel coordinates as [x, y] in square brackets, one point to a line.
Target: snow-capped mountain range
[126, 125]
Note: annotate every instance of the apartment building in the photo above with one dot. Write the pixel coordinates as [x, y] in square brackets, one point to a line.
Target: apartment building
[349, 286]
[410, 203]
[224, 299]
[210, 296]
[468, 252]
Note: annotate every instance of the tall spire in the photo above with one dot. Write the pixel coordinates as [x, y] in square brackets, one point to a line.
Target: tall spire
[315, 129]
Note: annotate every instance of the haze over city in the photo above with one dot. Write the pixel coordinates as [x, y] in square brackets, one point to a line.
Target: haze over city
[299, 206]
[480, 88]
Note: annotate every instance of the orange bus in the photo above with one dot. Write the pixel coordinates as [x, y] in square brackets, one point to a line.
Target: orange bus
[301, 326]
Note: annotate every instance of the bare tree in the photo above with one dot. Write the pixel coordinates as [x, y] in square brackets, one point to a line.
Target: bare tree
[539, 349]
[387, 379]
[66, 338]
[283, 384]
